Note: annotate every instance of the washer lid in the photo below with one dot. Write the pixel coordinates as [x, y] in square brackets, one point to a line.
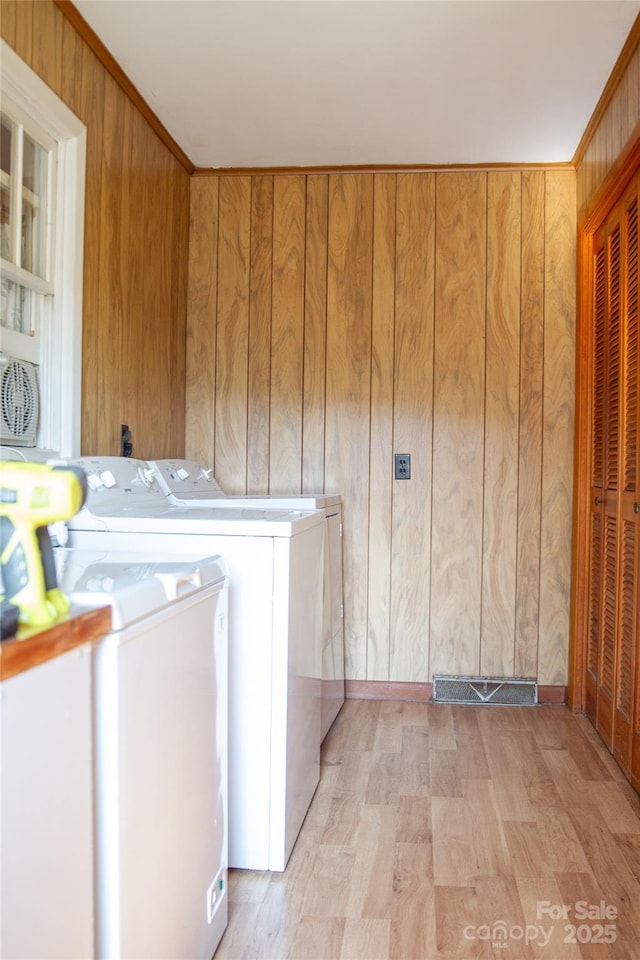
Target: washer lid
[226, 521]
[124, 495]
[193, 484]
[271, 501]
[134, 585]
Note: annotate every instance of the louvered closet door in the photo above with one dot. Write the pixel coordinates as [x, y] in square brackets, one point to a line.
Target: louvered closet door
[627, 687]
[613, 662]
[604, 493]
[599, 419]
[630, 613]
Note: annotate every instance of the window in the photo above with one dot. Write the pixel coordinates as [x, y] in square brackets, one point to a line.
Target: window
[27, 157]
[42, 173]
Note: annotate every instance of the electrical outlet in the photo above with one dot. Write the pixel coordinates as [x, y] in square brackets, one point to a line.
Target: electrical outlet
[402, 466]
[126, 446]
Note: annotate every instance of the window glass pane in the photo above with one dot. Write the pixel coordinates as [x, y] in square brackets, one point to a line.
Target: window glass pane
[6, 146]
[34, 204]
[15, 306]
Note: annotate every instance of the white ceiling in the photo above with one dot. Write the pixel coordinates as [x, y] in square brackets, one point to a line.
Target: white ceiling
[338, 82]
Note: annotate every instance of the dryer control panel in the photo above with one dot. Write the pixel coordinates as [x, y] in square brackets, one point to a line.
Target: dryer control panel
[185, 478]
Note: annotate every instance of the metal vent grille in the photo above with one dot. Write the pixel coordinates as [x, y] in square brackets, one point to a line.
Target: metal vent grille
[487, 690]
[19, 402]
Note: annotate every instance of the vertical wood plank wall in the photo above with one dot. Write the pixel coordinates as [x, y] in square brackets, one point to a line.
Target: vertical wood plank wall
[336, 319]
[136, 244]
[611, 134]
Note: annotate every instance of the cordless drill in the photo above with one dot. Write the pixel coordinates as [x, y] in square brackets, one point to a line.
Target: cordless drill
[33, 495]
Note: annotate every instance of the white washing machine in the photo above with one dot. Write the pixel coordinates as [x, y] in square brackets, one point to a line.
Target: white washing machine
[192, 484]
[160, 750]
[275, 560]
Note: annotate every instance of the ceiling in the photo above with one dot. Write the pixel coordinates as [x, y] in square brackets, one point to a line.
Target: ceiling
[264, 83]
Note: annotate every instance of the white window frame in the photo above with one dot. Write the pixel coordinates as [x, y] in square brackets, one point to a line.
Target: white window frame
[27, 346]
[60, 363]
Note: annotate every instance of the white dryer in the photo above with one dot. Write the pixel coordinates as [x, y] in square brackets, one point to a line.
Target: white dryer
[160, 750]
[275, 559]
[189, 483]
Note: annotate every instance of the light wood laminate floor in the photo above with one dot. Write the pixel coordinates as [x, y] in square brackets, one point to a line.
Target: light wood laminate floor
[445, 831]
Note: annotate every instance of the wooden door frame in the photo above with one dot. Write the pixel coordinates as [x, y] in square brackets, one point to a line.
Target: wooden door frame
[596, 212]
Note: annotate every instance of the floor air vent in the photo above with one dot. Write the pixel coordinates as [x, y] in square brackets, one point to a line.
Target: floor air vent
[523, 693]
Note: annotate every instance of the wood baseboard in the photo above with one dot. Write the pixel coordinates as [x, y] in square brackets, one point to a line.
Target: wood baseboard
[386, 690]
[396, 690]
[547, 694]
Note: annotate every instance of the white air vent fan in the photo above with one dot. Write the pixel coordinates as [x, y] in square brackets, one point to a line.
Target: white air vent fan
[20, 400]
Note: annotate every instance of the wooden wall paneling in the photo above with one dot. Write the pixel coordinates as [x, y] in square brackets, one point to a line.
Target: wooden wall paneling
[530, 439]
[633, 91]
[176, 306]
[149, 338]
[129, 288]
[260, 312]
[108, 322]
[91, 113]
[559, 387]
[413, 426]
[367, 327]
[24, 31]
[611, 134]
[143, 399]
[458, 440]
[72, 58]
[620, 126]
[580, 190]
[147, 334]
[287, 332]
[599, 167]
[631, 104]
[600, 156]
[169, 334]
[582, 183]
[47, 45]
[381, 451]
[348, 391]
[201, 320]
[315, 334]
[179, 294]
[501, 424]
[234, 248]
[593, 166]
[72, 92]
[8, 21]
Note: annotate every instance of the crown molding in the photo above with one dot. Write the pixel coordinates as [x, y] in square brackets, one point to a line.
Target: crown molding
[375, 168]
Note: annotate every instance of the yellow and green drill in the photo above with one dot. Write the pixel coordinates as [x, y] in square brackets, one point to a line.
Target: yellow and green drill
[33, 495]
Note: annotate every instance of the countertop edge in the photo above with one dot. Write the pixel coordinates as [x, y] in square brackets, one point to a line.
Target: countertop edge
[34, 646]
